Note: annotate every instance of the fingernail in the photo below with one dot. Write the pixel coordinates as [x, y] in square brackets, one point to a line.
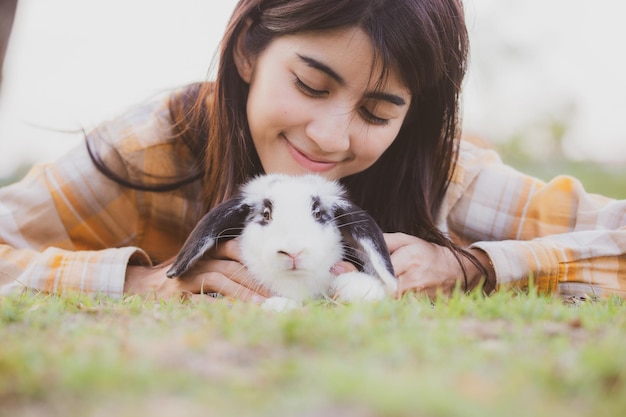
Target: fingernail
[338, 269]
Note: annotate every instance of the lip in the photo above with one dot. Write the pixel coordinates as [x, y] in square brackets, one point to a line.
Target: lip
[308, 162]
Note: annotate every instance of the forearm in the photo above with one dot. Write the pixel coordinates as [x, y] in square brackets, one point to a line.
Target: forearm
[593, 260]
[59, 271]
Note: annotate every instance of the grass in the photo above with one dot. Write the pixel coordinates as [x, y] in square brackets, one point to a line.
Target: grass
[509, 354]
[506, 355]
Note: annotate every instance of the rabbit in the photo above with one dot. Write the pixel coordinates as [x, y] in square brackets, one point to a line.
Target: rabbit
[291, 231]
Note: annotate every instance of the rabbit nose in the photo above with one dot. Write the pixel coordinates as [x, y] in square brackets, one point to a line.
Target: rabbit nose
[293, 257]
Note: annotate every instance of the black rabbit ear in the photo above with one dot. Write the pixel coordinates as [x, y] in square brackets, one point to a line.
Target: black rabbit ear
[224, 222]
[366, 246]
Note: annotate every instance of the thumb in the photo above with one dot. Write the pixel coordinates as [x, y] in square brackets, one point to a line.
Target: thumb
[396, 240]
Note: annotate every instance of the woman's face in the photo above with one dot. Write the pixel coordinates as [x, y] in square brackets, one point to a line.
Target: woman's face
[314, 106]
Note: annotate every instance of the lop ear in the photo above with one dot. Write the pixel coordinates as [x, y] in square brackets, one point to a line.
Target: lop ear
[366, 245]
[224, 222]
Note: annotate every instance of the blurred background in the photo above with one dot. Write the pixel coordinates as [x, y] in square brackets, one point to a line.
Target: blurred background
[545, 84]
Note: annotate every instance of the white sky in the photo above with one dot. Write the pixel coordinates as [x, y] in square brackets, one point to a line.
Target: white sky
[536, 60]
[74, 63]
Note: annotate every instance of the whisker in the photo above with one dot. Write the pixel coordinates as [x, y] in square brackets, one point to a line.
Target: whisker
[354, 255]
[226, 237]
[351, 223]
[348, 248]
[348, 214]
[252, 283]
[238, 270]
[221, 234]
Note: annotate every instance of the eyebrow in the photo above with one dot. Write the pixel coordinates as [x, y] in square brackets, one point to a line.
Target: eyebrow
[314, 63]
[376, 95]
[392, 98]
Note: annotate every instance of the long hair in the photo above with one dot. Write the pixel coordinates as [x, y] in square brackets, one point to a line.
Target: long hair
[424, 40]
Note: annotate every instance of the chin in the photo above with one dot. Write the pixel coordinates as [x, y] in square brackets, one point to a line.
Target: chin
[298, 170]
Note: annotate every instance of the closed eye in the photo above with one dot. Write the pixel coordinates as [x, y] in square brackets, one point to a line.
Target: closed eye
[309, 91]
[370, 117]
[367, 115]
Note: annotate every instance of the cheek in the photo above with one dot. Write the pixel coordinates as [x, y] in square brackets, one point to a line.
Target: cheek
[251, 251]
[370, 147]
[272, 103]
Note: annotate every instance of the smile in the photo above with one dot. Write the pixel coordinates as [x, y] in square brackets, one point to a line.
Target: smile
[307, 162]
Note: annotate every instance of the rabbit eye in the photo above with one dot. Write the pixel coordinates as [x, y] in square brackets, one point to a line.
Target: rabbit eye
[318, 212]
[267, 214]
[320, 215]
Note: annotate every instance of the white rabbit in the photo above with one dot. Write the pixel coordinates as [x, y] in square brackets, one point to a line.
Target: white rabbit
[292, 230]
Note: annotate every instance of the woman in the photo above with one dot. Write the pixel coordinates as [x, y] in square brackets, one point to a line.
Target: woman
[366, 92]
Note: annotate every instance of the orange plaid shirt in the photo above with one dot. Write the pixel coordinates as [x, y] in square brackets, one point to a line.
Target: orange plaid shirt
[66, 226]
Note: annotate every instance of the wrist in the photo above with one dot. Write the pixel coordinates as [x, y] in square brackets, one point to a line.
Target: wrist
[139, 281]
[475, 275]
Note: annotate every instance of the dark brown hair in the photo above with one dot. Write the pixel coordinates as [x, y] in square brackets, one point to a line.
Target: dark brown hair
[425, 40]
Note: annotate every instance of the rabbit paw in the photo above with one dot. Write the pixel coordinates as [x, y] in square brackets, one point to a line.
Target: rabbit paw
[358, 286]
[279, 304]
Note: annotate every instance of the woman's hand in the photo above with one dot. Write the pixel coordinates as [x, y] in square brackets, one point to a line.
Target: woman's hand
[428, 268]
[220, 272]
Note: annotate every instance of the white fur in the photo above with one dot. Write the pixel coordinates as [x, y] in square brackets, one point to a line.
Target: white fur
[292, 230]
[280, 304]
[314, 247]
[358, 286]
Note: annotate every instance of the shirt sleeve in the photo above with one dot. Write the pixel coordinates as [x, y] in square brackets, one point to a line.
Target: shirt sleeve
[65, 227]
[554, 233]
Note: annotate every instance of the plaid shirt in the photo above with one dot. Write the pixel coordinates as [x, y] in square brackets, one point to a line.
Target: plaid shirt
[66, 226]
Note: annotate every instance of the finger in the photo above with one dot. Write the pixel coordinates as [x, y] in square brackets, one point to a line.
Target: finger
[198, 298]
[229, 268]
[397, 240]
[203, 298]
[232, 270]
[240, 274]
[425, 284]
[245, 279]
[408, 282]
[228, 250]
[215, 282]
[343, 267]
[410, 285]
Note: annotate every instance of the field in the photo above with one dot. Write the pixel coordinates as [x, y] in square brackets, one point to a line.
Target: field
[510, 354]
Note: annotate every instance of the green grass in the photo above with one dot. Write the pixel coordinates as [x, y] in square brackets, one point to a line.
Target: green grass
[509, 354]
[506, 355]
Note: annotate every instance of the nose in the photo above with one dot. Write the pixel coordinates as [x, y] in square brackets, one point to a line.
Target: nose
[330, 129]
[293, 257]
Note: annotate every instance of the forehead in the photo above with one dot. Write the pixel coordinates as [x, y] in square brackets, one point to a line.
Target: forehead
[292, 190]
